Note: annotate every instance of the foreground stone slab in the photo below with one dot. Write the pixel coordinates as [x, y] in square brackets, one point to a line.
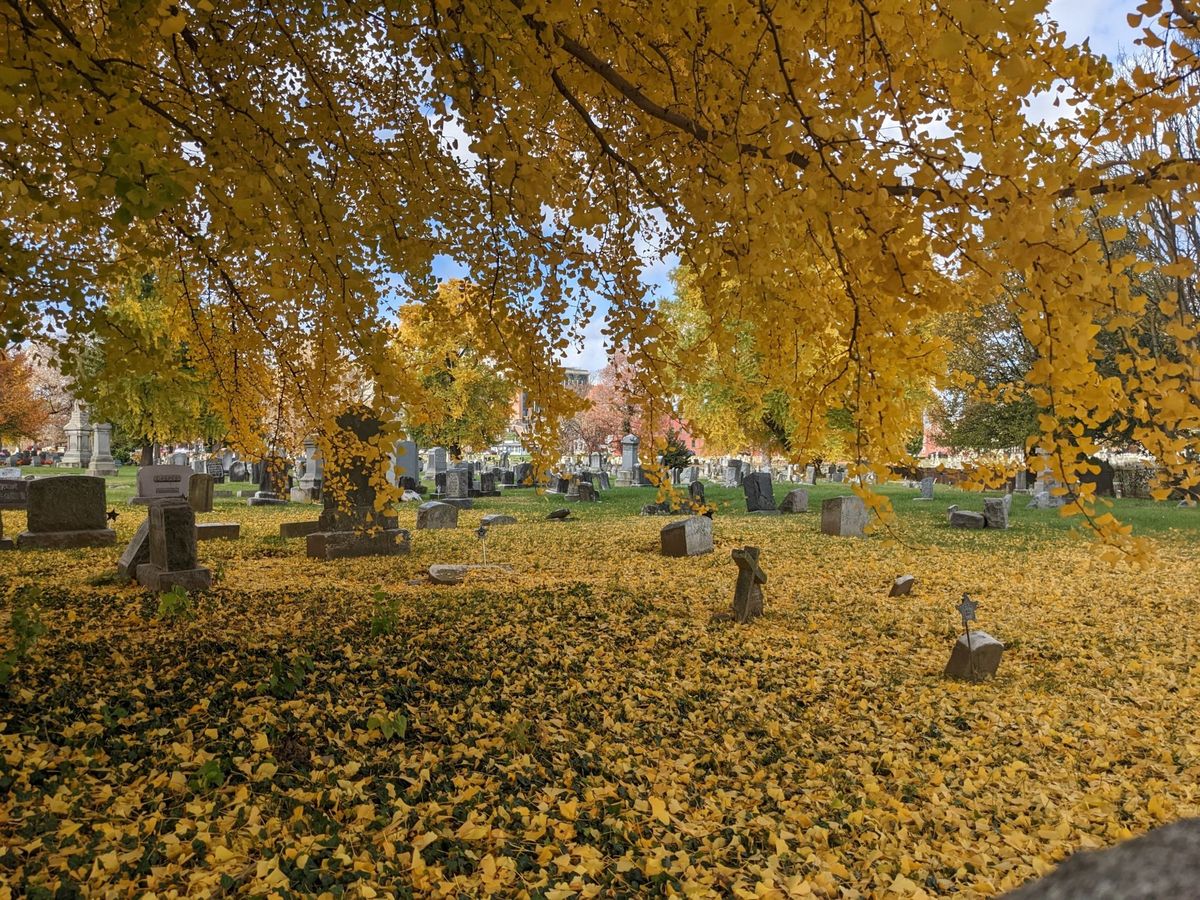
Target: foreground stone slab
[1165, 862]
[498, 519]
[211, 531]
[902, 586]
[687, 537]
[844, 516]
[976, 662]
[963, 518]
[298, 529]
[441, 573]
[350, 544]
[437, 514]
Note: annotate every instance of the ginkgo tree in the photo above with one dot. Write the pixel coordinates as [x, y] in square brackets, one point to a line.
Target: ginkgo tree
[834, 174]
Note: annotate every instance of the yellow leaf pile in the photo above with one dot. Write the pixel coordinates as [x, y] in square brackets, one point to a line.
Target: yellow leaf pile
[582, 726]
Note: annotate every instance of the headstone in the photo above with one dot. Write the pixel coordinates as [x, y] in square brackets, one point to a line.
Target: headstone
[844, 516]
[436, 515]
[962, 518]
[796, 501]
[759, 493]
[351, 524]
[161, 483]
[406, 462]
[508, 478]
[995, 512]
[439, 484]
[1021, 482]
[199, 464]
[630, 473]
[523, 475]
[435, 460]
[558, 514]
[272, 480]
[237, 471]
[836, 475]
[492, 519]
[298, 529]
[487, 485]
[211, 531]
[172, 562]
[926, 488]
[605, 484]
[587, 493]
[687, 537]
[14, 492]
[178, 458]
[696, 494]
[214, 469]
[902, 586]
[748, 594]
[308, 487]
[66, 511]
[102, 463]
[733, 473]
[1164, 862]
[1040, 500]
[200, 492]
[810, 474]
[976, 657]
[79, 438]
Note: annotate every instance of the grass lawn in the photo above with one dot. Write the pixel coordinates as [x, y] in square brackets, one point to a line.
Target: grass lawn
[581, 724]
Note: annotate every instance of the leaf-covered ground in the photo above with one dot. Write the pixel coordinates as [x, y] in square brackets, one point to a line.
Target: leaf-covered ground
[582, 725]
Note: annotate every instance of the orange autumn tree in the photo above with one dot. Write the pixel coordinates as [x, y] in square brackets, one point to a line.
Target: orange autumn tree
[835, 175]
[23, 411]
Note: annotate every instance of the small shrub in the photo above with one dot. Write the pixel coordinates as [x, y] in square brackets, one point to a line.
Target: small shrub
[27, 627]
[176, 606]
[385, 614]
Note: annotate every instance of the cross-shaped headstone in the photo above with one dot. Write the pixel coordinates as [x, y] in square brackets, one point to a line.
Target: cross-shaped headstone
[748, 595]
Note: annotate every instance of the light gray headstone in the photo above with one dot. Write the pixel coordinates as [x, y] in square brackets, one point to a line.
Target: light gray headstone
[844, 516]
[977, 661]
[687, 537]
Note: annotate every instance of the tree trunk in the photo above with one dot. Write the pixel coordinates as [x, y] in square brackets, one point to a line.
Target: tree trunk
[147, 453]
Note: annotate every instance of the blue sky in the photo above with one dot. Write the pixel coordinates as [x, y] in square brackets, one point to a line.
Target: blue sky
[1103, 21]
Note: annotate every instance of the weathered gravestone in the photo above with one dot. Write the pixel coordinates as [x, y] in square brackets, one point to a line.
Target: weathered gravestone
[558, 514]
[687, 537]
[995, 512]
[237, 470]
[796, 501]
[963, 518]
[492, 519]
[308, 487]
[487, 485]
[161, 483]
[523, 475]
[587, 493]
[458, 488]
[926, 488]
[272, 480]
[102, 463]
[976, 654]
[172, 540]
[14, 494]
[760, 497]
[844, 516]
[136, 552]
[748, 593]
[902, 586]
[696, 495]
[435, 514]
[66, 511]
[351, 525]
[200, 492]
[1164, 862]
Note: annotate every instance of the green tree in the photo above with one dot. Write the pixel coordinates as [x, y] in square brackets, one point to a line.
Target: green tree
[133, 369]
